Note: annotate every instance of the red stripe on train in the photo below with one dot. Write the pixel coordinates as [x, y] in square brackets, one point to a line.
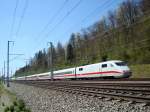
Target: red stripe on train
[93, 73]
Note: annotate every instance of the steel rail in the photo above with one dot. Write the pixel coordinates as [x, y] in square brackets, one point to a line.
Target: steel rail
[100, 89]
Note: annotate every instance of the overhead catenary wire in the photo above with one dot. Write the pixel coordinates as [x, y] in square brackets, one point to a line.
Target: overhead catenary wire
[90, 14]
[14, 58]
[22, 16]
[52, 18]
[63, 18]
[105, 5]
[14, 18]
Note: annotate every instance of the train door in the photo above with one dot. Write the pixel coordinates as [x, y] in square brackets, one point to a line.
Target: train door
[104, 69]
[100, 70]
[75, 73]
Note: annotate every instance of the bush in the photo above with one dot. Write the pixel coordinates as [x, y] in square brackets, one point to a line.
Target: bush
[18, 106]
[15, 103]
[27, 110]
[3, 104]
[21, 104]
[6, 109]
[12, 108]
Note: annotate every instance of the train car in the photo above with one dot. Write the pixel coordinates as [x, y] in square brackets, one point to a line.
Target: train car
[113, 69]
[19, 78]
[43, 76]
[31, 77]
[13, 78]
[64, 74]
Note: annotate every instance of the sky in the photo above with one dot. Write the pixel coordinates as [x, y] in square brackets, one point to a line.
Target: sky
[33, 23]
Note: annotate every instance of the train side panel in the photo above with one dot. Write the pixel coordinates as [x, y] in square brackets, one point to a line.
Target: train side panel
[43, 76]
[64, 74]
[88, 71]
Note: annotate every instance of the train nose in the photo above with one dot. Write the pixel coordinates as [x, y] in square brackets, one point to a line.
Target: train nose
[127, 73]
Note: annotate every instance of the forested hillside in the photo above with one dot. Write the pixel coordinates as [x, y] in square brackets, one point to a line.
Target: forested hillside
[123, 34]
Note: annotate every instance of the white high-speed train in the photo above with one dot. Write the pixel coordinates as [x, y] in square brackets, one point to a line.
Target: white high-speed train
[114, 69]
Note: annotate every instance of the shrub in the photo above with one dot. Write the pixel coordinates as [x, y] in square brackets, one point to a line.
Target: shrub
[3, 104]
[21, 104]
[6, 109]
[12, 108]
[15, 103]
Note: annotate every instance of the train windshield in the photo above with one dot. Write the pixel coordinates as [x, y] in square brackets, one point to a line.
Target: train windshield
[121, 63]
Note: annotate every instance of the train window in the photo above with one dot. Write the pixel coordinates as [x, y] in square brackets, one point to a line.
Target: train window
[111, 65]
[104, 65]
[80, 69]
[121, 64]
[61, 73]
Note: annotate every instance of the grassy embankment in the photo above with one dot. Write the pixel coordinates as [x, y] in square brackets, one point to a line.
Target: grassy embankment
[140, 71]
[9, 102]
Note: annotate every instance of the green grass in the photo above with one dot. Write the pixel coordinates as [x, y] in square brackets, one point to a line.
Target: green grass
[140, 71]
[6, 98]
[9, 102]
[17, 106]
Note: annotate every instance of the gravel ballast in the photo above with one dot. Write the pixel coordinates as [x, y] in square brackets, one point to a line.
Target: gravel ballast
[46, 100]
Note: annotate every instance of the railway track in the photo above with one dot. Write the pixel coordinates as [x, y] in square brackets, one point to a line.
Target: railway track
[137, 91]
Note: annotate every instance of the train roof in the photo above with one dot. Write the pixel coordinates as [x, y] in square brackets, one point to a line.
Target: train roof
[111, 61]
[37, 74]
[64, 70]
[104, 62]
